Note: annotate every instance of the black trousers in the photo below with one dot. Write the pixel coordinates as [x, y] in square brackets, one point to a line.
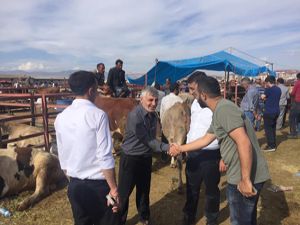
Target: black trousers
[270, 129]
[199, 168]
[135, 171]
[294, 117]
[89, 204]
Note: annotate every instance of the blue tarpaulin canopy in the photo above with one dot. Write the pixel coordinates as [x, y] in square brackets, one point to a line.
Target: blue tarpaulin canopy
[220, 61]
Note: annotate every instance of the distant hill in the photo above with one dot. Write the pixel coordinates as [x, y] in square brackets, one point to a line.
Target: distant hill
[43, 74]
[36, 74]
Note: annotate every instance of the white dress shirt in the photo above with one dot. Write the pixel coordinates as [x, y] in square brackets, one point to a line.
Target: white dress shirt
[83, 140]
[200, 122]
[167, 102]
[161, 94]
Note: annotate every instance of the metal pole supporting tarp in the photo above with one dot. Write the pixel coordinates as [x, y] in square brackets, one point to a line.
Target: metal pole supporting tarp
[146, 79]
[156, 62]
[224, 93]
[235, 91]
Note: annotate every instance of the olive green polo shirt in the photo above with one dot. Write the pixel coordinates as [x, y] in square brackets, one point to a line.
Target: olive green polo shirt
[227, 117]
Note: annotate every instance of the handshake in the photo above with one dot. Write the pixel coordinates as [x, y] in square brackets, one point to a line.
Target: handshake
[174, 149]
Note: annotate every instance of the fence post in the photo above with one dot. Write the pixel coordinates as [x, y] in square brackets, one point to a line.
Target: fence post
[32, 110]
[45, 122]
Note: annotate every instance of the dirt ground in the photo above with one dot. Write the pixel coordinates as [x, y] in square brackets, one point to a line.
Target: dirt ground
[166, 203]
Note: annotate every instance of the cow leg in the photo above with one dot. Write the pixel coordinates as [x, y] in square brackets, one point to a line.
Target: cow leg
[41, 191]
[179, 166]
[173, 163]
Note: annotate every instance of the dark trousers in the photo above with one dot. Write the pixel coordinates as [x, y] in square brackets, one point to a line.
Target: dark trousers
[294, 116]
[89, 204]
[270, 129]
[199, 169]
[135, 171]
[243, 210]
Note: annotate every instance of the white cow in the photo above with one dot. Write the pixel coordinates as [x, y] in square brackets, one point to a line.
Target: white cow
[16, 130]
[25, 169]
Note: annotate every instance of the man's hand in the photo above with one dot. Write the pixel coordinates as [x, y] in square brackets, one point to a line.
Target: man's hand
[174, 150]
[222, 166]
[115, 195]
[258, 117]
[246, 188]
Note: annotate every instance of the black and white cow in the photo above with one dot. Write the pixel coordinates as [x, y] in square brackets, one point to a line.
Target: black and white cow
[27, 169]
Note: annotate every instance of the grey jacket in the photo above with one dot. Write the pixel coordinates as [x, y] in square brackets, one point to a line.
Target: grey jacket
[140, 134]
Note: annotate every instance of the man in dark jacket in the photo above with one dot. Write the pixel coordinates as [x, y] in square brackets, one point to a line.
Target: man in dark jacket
[116, 80]
[100, 74]
[271, 112]
[136, 157]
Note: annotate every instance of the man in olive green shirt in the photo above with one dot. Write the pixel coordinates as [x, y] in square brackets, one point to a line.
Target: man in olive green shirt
[247, 170]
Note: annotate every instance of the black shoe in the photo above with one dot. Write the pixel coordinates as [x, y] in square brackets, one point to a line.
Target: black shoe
[269, 149]
[188, 221]
[144, 222]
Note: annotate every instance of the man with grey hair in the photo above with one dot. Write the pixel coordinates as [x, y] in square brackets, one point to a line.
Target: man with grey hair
[136, 155]
[249, 104]
[285, 95]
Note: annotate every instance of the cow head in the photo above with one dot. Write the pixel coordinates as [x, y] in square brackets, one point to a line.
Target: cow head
[117, 139]
[24, 160]
[176, 122]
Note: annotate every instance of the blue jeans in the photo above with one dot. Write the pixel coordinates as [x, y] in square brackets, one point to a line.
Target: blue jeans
[250, 116]
[242, 209]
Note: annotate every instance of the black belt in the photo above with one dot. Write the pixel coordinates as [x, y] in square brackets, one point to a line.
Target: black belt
[88, 180]
[143, 156]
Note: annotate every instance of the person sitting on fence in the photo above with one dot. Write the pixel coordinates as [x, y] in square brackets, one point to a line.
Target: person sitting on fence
[116, 81]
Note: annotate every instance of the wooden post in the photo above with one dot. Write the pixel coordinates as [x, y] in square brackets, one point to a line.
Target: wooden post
[45, 123]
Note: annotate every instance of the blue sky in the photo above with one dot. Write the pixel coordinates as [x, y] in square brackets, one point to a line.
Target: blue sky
[54, 35]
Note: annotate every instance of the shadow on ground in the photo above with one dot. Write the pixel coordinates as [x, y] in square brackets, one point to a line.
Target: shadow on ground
[168, 210]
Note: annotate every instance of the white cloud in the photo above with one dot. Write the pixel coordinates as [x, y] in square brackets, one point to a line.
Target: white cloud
[139, 31]
[28, 66]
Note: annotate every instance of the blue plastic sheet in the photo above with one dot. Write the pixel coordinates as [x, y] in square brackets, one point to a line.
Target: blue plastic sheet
[220, 61]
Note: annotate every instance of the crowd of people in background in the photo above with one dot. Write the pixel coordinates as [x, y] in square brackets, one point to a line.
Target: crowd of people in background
[268, 100]
[212, 118]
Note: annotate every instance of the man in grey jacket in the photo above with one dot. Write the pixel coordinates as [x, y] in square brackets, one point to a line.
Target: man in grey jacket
[249, 104]
[136, 157]
[285, 95]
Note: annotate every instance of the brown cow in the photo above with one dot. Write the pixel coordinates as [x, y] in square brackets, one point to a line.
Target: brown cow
[117, 110]
[175, 126]
[105, 91]
[25, 169]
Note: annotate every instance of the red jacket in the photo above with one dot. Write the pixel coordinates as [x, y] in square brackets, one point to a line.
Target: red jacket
[296, 91]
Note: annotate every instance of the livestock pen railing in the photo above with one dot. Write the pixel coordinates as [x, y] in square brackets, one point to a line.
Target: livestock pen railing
[28, 102]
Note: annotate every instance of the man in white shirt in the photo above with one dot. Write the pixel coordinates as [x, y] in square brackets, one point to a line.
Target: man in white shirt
[169, 100]
[201, 165]
[85, 154]
[161, 94]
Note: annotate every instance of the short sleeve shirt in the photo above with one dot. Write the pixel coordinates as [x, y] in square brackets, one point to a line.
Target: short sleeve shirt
[226, 118]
